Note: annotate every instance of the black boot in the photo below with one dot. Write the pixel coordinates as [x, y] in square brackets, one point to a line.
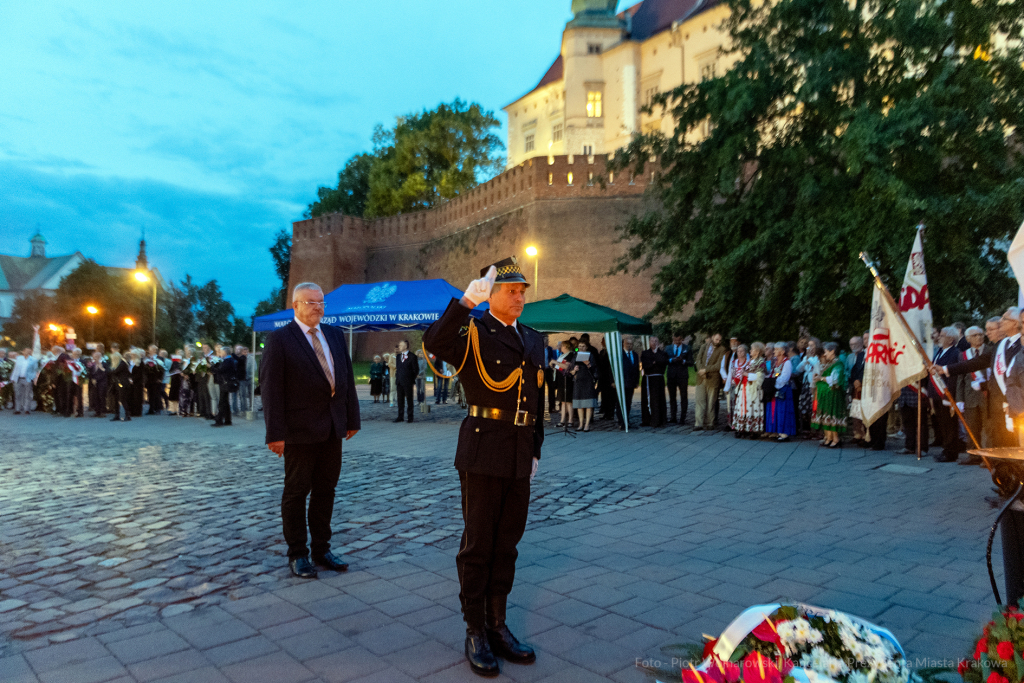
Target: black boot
[478, 650]
[502, 641]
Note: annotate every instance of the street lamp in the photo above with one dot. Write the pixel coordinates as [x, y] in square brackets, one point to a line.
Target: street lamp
[142, 276]
[129, 322]
[92, 311]
[532, 252]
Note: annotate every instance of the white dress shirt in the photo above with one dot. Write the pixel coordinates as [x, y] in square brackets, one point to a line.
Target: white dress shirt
[323, 342]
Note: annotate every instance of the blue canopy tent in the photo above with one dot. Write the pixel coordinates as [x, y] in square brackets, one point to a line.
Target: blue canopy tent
[378, 307]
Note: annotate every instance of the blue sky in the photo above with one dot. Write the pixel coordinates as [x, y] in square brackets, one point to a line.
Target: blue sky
[210, 125]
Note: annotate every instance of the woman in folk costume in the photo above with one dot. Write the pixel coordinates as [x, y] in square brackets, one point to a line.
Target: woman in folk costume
[830, 401]
[780, 417]
[809, 367]
[747, 407]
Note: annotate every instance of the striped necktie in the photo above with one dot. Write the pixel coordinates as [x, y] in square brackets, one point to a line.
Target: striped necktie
[318, 347]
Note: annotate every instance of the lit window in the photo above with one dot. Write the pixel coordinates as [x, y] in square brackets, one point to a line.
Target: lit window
[556, 133]
[569, 177]
[594, 104]
[551, 178]
[529, 143]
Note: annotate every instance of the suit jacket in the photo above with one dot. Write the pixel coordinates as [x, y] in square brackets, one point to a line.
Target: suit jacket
[679, 361]
[406, 372]
[631, 369]
[711, 366]
[965, 393]
[494, 447]
[119, 376]
[297, 402]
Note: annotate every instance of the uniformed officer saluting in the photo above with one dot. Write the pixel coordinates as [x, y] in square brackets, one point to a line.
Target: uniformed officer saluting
[502, 371]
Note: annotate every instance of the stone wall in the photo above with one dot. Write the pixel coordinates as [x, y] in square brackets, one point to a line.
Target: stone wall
[554, 203]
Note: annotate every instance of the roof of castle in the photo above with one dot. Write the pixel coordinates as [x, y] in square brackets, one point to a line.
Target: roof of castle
[649, 18]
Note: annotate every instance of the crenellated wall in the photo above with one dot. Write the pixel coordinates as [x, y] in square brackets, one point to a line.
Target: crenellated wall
[572, 224]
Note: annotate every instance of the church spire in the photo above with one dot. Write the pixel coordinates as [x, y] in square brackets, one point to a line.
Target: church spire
[38, 244]
[141, 263]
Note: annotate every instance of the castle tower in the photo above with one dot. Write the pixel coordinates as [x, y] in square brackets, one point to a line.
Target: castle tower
[38, 245]
[593, 29]
[141, 263]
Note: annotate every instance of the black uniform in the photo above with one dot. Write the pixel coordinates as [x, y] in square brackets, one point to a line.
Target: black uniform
[494, 457]
[98, 385]
[121, 385]
[652, 395]
[224, 374]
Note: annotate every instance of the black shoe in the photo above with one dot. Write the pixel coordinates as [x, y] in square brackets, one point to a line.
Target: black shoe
[943, 458]
[409, 420]
[698, 429]
[478, 654]
[399, 419]
[331, 561]
[127, 419]
[503, 643]
[302, 567]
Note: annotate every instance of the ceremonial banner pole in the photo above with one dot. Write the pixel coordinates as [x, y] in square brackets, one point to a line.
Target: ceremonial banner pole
[918, 425]
[917, 346]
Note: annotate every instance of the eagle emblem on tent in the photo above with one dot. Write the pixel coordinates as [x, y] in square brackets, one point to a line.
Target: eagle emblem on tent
[381, 292]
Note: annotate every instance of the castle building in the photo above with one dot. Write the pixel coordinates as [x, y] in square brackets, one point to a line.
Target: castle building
[20, 275]
[550, 196]
[609, 66]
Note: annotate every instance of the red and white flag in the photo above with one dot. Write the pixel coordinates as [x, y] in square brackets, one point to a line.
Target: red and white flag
[914, 301]
[890, 360]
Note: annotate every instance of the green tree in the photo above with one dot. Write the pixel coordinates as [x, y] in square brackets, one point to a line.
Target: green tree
[431, 156]
[281, 252]
[33, 308]
[213, 313]
[349, 197]
[840, 127]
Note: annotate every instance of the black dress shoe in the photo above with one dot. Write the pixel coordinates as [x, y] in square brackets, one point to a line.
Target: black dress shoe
[506, 646]
[698, 429]
[478, 654]
[302, 567]
[398, 419]
[331, 561]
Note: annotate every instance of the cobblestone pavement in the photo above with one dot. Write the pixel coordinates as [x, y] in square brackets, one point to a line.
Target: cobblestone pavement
[151, 550]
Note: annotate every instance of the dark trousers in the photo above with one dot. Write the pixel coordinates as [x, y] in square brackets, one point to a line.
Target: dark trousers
[878, 433]
[975, 418]
[678, 381]
[494, 511]
[310, 470]
[549, 379]
[224, 406]
[909, 416]
[98, 396]
[124, 398]
[76, 391]
[948, 431]
[405, 393]
[60, 395]
[154, 391]
[440, 389]
[652, 401]
[608, 400]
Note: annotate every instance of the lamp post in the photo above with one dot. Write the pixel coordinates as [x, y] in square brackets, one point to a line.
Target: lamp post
[142, 276]
[532, 252]
[130, 323]
[92, 311]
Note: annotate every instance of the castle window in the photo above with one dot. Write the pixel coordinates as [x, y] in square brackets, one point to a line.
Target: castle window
[530, 142]
[556, 132]
[588, 150]
[611, 177]
[551, 178]
[569, 177]
[594, 48]
[594, 104]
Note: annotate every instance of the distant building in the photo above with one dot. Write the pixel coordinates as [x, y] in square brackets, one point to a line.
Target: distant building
[609, 66]
[37, 272]
[33, 273]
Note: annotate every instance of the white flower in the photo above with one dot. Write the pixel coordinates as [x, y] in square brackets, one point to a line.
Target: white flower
[858, 677]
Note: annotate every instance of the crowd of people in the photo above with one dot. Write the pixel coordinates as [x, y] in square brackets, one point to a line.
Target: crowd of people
[212, 382]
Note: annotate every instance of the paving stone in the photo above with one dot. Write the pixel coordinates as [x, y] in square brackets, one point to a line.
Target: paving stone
[389, 638]
[147, 646]
[315, 643]
[273, 668]
[168, 665]
[90, 671]
[66, 654]
[346, 666]
[15, 669]
[424, 659]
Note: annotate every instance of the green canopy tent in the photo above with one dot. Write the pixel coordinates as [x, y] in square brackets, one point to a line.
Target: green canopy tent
[568, 314]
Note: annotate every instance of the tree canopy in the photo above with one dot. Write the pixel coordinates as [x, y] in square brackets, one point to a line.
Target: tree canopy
[425, 158]
[840, 127]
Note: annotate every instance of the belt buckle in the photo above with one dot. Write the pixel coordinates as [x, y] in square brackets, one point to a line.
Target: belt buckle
[525, 415]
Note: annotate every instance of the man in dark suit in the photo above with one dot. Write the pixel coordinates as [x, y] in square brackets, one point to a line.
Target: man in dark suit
[407, 369]
[630, 378]
[138, 385]
[498, 451]
[679, 362]
[653, 362]
[309, 405]
[98, 370]
[225, 375]
[949, 433]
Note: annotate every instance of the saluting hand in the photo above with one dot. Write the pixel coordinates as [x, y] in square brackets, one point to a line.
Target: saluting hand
[479, 291]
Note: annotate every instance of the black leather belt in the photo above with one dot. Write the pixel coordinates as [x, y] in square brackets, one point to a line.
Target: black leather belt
[520, 418]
